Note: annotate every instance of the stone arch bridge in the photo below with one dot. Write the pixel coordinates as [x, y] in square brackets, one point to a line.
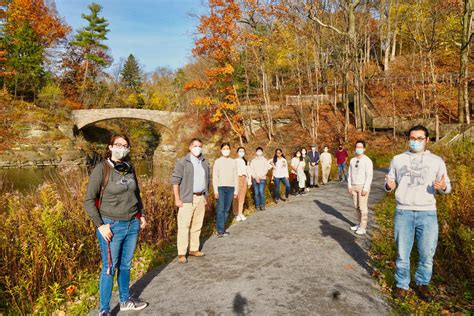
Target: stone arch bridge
[84, 118]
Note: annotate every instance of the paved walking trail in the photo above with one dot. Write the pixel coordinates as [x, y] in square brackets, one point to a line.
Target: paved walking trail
[295, 258]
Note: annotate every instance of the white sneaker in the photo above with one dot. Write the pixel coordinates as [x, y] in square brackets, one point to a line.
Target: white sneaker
[238, 218]
[360, 231]
[307, 189]
[242, 217]
[354, 228]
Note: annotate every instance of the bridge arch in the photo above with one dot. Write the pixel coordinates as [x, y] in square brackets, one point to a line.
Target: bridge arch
[83, 118]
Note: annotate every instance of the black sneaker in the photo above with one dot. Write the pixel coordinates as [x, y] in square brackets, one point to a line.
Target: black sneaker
[133, 304]
[105, 313]
[424, 293]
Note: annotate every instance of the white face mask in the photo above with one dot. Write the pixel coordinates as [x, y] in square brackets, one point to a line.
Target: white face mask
[196, 151]
[259, 153]
[298, 155]
[119, 153]
[241, 154]
[326, 150]
[313, 149]
[225, 152]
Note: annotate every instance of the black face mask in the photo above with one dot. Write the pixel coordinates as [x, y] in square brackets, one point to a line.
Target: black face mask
[123, 167]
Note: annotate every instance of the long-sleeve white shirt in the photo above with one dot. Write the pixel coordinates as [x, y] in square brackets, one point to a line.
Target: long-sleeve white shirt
[243, 169]
[361, 172]
[280, 168]
[225, 174]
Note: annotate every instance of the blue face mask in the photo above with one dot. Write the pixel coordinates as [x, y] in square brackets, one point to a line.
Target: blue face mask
[417, 146]
[359, 151]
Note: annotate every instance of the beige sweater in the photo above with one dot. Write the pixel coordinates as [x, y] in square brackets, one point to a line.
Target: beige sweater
[224, 174]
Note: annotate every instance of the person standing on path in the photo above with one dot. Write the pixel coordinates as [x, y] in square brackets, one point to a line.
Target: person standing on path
[245, 180]
[280, 174]
[361, 171]
[301, 176]
[259, 168]
[225, 181]
[190, 180]
[313, 166]
[114, 204]
[341, 160]
[293, 173]
[326, 162]
[417, 175]
[306, 168]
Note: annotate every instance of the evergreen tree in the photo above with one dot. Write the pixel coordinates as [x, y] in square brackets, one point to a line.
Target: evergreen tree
[91, 39]
[25, 56]
[131, 75]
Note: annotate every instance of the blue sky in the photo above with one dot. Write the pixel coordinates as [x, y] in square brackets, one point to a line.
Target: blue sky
[159, 33]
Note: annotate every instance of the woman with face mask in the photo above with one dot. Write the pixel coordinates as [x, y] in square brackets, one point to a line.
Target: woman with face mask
[280, 174]
[225, 181]
[359, 181]
[114, 205]
[243, 171]
[307, 161]
[293, 172]
[300, 173]
[259, 168]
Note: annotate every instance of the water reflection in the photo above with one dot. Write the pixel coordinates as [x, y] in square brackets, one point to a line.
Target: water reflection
[28, 179]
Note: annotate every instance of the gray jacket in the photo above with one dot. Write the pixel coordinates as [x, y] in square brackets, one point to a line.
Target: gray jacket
[183, 175]
[121, 199]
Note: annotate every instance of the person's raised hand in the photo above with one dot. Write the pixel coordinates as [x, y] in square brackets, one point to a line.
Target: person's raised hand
[441, 184]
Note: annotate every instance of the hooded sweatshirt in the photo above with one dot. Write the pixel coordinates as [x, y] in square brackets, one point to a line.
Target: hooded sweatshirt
[415, 174]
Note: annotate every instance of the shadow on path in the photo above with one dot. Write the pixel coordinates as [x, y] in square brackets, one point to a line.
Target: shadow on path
[328, 209]
[347, 241]
[240, 305]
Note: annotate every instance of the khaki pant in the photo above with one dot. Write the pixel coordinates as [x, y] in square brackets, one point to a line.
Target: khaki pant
[313, 175]
[190, 218]
[238, 205]
[326, 171]
[360, 203]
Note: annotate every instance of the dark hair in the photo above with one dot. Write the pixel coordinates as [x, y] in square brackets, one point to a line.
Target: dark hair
[419, 127]
[225, 144]
[195, 140]
[259, 148]
[246, 162]
[299, 151]
[275, 157]
[108, 153]
[360, 142]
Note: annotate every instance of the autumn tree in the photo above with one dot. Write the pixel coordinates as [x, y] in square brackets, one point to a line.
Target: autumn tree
[218, 41]
[90, 39]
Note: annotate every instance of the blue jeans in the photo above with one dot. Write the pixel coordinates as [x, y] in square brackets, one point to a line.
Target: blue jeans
[286, 183]
[341, 171]
[421, 226]
[259, 191]
[122, 248]
[226, 196]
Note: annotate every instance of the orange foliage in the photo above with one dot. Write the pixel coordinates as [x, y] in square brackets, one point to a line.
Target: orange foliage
[42, 19]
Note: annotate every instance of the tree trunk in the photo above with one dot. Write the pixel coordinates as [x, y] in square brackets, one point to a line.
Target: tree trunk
[463, 94]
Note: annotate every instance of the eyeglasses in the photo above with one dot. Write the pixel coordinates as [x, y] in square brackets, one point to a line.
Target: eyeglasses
[420, 139]
[121, 145]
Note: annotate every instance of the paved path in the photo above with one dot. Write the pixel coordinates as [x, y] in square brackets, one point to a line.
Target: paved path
[297, 258]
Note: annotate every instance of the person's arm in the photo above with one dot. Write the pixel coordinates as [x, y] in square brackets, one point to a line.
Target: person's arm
[369, 174]
[93, 191]
[317, 157]
[141, 208]
[443, 183]
[390, 179]
[236, 180]
[349, 180]
[285, 170]
[176, 178]
[215, 177]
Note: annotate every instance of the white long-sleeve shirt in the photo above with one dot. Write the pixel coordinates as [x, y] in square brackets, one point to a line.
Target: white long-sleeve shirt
[415, 174]
[361, 172]
[280, 168]
[243, 169]
[225, 174]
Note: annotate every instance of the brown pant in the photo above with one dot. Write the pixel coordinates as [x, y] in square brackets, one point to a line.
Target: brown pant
[238, 206]
[360, 203]
[326, 171]
[190, 218]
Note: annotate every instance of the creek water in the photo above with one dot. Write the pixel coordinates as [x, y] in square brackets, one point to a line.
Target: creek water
[28, 179]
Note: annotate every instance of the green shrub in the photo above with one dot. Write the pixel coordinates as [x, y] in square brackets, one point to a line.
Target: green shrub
[50, 96]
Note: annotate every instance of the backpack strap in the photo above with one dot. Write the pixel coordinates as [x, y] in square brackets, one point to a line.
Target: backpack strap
[105, 180]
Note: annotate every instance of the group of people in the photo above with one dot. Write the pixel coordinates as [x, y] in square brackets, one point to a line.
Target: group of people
[114, 204]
